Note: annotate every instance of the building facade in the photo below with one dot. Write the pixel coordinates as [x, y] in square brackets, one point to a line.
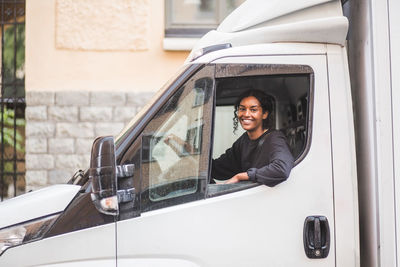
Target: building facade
[90, 65]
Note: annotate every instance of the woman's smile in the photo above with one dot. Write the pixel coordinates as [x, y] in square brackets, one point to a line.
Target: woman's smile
[246, 121]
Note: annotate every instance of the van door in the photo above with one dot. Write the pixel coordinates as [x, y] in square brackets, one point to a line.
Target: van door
[187, 221]
[171, 158]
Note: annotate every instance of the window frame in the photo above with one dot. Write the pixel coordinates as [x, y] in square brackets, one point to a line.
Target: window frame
[227, 70]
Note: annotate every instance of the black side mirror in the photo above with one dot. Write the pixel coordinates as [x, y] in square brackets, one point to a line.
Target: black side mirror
[103, 173]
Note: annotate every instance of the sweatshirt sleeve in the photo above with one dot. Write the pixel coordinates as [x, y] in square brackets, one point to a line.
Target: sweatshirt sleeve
[281, 163]
[227, 165]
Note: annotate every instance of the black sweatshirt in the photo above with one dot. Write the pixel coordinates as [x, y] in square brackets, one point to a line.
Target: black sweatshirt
[267, 160]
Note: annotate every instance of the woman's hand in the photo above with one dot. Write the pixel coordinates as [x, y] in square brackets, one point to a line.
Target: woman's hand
[242, 176]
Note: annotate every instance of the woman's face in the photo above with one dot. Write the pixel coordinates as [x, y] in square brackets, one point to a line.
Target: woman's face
[250, 114]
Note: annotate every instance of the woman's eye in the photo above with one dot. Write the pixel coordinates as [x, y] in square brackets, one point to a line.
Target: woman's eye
[253, 110]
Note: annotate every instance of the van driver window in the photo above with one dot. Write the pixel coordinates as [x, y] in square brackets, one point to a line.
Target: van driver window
[255, 122]
[175, 145]
[260, 130]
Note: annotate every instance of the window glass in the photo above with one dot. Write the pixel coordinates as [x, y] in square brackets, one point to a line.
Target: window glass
[175, 145]
[200, 12]
[187, 17]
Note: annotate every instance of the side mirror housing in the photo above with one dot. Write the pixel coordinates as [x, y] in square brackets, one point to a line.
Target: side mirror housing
[103, 173]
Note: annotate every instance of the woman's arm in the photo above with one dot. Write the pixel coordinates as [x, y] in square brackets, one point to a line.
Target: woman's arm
[276, 171]
[281, 163]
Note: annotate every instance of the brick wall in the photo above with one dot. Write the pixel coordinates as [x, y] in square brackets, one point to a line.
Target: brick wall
[61, 127]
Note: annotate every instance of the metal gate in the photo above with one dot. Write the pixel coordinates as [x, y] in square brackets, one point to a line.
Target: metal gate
[12, 98]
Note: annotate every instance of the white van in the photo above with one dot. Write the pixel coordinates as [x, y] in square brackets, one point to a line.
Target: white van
[145, 203]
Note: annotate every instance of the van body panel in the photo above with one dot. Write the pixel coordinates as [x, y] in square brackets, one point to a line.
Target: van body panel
[36, 204]
[360, 50]
[272, 21]
[394, 21]
[372, 57]
[86, 263]
[85, 247]
[344, 159]
[255, 221]
[296, 32]
[263, 11]
[264, 50]
[157, 262]
[383, 133]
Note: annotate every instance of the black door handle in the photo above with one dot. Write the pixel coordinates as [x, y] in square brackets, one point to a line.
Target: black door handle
[316, 237]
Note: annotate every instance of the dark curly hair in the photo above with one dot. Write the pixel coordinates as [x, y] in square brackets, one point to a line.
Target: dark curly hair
[266, 105]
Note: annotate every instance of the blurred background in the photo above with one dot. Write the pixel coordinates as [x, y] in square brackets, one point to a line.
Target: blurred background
[72, 70]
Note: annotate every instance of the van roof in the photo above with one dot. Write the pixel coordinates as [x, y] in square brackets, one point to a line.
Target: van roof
[262, 21]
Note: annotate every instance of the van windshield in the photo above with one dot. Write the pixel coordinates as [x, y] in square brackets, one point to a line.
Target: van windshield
[150, 103]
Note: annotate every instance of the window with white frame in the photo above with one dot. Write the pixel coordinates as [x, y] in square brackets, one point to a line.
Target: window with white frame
[193, 18]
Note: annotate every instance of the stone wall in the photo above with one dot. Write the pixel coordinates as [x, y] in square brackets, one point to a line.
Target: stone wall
[61, 127]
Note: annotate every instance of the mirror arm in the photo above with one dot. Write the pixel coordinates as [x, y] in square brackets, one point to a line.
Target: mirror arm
[124, 171]
[126, 195]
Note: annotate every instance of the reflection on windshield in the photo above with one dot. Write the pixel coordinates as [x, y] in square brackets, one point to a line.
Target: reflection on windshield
[174, 156]
[150, 103]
